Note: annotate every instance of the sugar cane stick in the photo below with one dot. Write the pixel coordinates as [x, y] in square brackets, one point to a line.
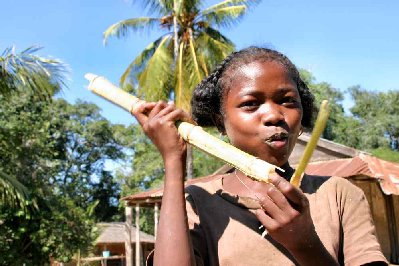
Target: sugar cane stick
[195, 135]
[319, 126]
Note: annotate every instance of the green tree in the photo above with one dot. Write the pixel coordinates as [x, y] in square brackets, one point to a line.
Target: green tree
[340, 127]
[378, 115]
[374, 115]
[25, 71]
[58, 152]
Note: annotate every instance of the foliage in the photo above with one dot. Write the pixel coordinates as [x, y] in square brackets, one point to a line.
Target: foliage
[12, 192]
[340, 127]
[378, 114]
[373, 124]
[27, 71]
[58, 152]
[180, 58]
[58, 229]
[40, 76]
[386, 154]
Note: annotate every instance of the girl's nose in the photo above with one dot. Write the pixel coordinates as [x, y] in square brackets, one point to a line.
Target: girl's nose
[271, 114]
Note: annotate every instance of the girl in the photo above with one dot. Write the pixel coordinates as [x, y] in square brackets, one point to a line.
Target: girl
[257, 98]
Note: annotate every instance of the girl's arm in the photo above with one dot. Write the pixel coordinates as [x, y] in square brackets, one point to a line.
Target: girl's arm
[286, 217]
[173, 245]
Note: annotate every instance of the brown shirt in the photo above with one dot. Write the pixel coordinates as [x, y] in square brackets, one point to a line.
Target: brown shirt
[224, 230]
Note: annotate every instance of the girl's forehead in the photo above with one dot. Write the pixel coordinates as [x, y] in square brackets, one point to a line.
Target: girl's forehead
[257, 68]
[257, 76]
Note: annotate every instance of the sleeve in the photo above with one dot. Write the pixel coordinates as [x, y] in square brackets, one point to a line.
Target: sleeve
[360, 244]
[196, 233]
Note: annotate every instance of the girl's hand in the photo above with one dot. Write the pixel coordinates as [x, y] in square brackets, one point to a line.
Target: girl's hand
[158, 122]
[286, 216]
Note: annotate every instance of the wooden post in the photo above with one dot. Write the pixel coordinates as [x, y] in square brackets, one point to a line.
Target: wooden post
[128, 236]
[138, 235]
[393, 236]
[156, 212]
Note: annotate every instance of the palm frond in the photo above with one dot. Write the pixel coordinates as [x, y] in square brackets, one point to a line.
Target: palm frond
[122, 28]
[213, 46]
[179, 87]
[190, 6]
[195, 61]
[12, 192]
[190, 73]
[42, 76]
[227, 3]
[155, 79]
[156, 6]
[177, 7]
[140, 62]
[225, 16]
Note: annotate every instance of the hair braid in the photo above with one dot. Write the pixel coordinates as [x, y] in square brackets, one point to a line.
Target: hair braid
[206, 101]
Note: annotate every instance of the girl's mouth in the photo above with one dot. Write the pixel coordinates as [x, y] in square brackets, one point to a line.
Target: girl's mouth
[278, 140]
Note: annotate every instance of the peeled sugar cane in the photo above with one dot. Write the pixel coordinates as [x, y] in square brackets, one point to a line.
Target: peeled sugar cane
[251, 166]
[320, 125]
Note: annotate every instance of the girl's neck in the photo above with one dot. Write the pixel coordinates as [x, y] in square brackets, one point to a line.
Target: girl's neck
[238, 183]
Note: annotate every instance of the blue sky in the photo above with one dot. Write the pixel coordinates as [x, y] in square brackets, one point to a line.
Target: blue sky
[342, 42]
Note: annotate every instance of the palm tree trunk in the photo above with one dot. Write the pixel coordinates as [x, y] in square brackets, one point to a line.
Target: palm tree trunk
[189, 159]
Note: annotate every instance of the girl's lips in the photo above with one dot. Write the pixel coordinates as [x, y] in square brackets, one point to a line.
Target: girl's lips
[277, 143]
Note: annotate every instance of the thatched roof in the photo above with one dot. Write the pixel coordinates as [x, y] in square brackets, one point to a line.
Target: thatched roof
[112, 233]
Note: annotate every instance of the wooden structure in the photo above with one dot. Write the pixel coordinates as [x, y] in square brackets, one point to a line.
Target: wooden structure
[113, 237]
[379, 180]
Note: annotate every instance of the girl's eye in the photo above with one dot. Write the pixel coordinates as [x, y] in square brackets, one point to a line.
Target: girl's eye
[249, 105]
[290, 101]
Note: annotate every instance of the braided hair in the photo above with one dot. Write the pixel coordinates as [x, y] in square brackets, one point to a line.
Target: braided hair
[207, 101]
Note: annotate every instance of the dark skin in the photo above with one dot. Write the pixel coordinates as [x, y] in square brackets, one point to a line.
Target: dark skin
[262, 116]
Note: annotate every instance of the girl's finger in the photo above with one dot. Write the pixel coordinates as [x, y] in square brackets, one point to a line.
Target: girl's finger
[168, 108]
[157, 108]
[178, 115]
[278, 197]
[268, 222]
[272, 209]
[292, 193]
[141, 110]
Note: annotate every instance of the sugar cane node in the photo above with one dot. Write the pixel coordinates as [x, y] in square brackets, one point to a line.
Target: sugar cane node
[252, 166]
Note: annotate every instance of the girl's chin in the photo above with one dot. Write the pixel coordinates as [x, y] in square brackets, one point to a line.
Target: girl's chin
[280, 161]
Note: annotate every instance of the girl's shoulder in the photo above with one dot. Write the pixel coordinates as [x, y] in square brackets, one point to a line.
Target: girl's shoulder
[211, 184]
[336, 185]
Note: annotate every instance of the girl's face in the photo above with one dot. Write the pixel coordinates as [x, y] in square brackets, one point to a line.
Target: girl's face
[263, 111]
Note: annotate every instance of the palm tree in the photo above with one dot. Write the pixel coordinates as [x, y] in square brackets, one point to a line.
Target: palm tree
[26, 72]
[174, 63]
